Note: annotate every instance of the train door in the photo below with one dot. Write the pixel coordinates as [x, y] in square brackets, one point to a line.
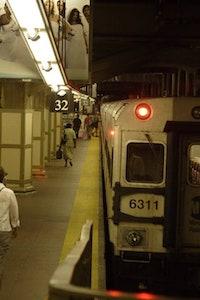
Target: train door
[189, 191]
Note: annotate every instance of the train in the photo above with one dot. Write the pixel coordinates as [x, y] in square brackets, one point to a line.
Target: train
[151, 171]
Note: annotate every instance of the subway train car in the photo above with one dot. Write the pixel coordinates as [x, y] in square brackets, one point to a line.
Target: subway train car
[151, 168]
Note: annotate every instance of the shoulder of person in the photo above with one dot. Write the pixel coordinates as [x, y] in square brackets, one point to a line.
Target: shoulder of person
[7, 190]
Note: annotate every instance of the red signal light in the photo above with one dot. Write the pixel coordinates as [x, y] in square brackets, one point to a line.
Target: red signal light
[112, 132]
[114, 294]
[143, 111]
[145, 296]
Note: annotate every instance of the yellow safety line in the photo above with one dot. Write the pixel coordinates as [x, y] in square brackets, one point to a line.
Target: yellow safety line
[86, 206]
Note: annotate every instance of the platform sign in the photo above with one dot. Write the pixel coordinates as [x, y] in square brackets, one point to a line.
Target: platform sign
[61, 105]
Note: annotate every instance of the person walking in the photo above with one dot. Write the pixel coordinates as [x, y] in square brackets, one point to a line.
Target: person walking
[76, 125]
[88, 126]
[70, 144]
[95, 123]
[9, 219]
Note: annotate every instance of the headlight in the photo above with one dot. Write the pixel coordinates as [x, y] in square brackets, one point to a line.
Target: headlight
[134, 238]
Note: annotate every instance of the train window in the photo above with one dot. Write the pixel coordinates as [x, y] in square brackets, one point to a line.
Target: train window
[144, 162]
[194, 165]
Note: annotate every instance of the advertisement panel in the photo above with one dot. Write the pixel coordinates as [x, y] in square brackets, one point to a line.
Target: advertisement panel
[70, 26]
[69, 23]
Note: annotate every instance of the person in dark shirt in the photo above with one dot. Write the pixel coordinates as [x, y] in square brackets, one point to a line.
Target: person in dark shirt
[76, 125]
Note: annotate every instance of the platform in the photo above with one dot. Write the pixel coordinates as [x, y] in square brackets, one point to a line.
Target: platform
[51, 221]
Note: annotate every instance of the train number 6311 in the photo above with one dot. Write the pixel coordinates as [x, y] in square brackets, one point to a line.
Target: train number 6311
[61, 105]
[141, 204]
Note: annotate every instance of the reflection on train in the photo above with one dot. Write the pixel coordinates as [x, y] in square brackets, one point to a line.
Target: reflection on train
[151, 166]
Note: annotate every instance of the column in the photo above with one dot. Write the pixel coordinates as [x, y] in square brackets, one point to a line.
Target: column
[46, 136]
[38, 168]
[58, 130]
[16, 118]
[16, 148]
[55, 132]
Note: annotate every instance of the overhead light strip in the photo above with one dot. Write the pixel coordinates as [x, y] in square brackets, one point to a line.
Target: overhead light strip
[33, 23]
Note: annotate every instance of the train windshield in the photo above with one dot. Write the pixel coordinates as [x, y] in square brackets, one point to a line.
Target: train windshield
[144, 162]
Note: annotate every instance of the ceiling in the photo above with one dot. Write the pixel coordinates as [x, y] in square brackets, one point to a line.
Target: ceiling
[140, 36]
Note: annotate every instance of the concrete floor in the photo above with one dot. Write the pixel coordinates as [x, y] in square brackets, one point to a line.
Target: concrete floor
[44, 215]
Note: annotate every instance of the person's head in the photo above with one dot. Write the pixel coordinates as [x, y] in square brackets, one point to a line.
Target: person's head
[49, 7]
[60, 6]
[2, 174]
[74, 17]
[69, 125]
[86, 11]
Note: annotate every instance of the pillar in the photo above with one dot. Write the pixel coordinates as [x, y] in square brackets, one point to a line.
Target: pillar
[38, 167]
[16, 121]
[55, 132]
[46, 136]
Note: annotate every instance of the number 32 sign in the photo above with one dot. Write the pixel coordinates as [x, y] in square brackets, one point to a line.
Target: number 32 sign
[61, 105]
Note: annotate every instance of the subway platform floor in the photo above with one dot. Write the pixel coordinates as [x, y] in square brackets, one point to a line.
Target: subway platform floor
[44, 216]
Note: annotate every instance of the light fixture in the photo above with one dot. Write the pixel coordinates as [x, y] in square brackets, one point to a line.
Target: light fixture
[54, 77]
[26, 79]
[54, 88]
[42, 49]
[62, 90]
[33, 34]
[28, 14]
[46, 66]
[75, 92]
[61, 93]
[35, 29]
[134, 238]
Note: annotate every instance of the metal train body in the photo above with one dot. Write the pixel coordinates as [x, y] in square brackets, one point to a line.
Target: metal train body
[151, 165]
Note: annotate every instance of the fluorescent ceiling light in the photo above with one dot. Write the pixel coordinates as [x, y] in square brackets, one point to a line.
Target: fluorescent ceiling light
[75, 93]
[42, 48]
[46, 66]
[62, 90]
[54, 77]
[31, 16]
[54, 88]
[27, 13]
[33, 34]
[61, 93]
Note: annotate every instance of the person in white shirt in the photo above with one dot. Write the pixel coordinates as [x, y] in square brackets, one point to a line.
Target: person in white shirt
[9, 218]
[69, 145]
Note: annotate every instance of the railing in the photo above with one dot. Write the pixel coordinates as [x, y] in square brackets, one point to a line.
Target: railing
[76, 268]
[72, 278]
